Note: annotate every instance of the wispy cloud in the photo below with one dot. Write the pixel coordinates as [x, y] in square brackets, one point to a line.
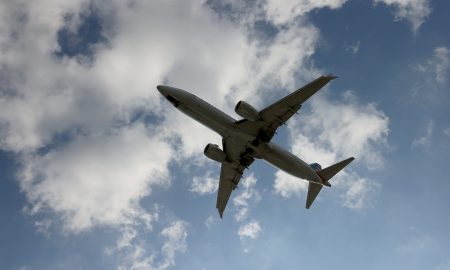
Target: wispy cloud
[287, 185]
[447, 131]
[135, 254]
[360, 192]
[283, 12]
[250, 230]
[245, 196]
[414, 11]
[204, 184]
[425, 139]
[437, 66]
[431, 76]
[353, 48]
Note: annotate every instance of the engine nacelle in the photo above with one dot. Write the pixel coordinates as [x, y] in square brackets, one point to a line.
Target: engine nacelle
[247, 111]
[213, 152]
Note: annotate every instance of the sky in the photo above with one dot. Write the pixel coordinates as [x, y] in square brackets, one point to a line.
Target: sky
[98, 171]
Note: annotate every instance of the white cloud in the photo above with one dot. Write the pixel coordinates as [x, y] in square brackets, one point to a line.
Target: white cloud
[246, 195]
[353, 48]
[138, 254]
[425, 140]
[176, 235]
[210, 220]
[432, 75]
[345, 128]
[277, 63]
[284, 12]
[360, 191]
[437, 67]
[287, 185]
[204, 184]
[415, 11]
[97, 179]
[250, 230]
[81, 112]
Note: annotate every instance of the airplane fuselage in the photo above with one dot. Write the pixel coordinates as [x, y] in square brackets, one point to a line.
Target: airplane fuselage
[226, 126]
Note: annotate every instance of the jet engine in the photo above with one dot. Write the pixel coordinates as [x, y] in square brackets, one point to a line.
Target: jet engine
[247, 111]
[213, 152]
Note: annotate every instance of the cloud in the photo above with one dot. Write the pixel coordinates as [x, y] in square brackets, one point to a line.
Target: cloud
[353, 48]
[431, 76]
[414, 11]
[447, 132]
[176, 235]
[287, 185]
[246, 195]
[343, 128]
[110, 172]
[139, 255]
[210, 220]
[425, 140]
[250, 230]
[437, 67]
[204, 184]
[360, 192]
[285, 12]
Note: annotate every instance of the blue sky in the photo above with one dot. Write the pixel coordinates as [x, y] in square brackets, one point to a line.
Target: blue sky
[99, 172]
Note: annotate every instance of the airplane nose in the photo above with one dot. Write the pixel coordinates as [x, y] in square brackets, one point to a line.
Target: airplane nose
[162, 89]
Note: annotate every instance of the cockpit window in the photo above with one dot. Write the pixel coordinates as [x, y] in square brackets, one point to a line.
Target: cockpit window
[173, 100]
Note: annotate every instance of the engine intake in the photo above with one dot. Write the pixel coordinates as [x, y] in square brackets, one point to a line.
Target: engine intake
[246, 110]
[213, 152]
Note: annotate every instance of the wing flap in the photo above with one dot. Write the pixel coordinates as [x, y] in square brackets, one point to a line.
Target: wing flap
[230, 175]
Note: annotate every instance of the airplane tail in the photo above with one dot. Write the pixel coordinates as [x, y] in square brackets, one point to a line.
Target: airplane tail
[326, 174]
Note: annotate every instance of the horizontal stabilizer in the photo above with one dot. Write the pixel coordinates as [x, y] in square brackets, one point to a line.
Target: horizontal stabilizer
[331, 171]
[326, 174]
[313, 191]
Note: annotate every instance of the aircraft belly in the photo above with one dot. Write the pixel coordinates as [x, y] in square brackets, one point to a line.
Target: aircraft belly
[209, 116]
[289, 163]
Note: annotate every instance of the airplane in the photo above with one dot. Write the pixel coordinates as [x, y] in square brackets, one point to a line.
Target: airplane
[248, 139]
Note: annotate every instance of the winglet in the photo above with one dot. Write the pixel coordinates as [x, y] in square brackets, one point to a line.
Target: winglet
[331, 77]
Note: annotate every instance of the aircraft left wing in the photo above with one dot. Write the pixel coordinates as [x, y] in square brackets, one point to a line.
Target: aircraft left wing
[230, 176]
[279, 112]
[231, 171]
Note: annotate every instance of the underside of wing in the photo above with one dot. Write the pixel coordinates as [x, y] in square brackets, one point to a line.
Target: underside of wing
[230, 175]
[279, 112]
[231, 171]
[313, 191]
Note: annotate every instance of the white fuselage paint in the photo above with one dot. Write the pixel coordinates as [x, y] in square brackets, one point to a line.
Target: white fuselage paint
[225, 125]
